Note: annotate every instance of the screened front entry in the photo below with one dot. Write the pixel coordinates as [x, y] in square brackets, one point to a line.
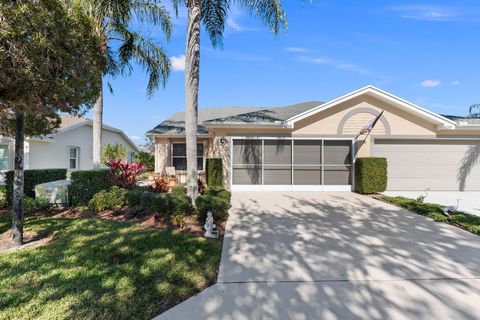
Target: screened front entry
[291, 164]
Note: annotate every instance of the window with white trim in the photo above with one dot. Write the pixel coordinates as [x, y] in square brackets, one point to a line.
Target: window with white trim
[74, 156]
[131, 157]
[4, 157]
[179, 156]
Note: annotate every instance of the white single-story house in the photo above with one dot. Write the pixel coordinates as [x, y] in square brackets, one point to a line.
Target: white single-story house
[70, 148]
[314, 145]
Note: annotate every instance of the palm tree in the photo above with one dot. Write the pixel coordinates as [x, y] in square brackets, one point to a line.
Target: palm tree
[123, 45]
[213, 14]
[474, 111]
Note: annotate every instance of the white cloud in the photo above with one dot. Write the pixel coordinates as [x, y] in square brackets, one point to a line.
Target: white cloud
[430, 83]
[339, 64]
[134, 137]
[232, 23]
[426, 13]
[296, 49]
[455, 83]
[178, 62]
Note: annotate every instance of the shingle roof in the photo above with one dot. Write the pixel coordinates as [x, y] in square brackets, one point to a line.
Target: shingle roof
[175, 124]
[463, 120]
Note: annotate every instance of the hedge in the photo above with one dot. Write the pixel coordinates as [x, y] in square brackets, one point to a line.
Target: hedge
[219, 192]
[370, 175]
[214, 172]
[31, 179]
[86, 183]
[160, 202]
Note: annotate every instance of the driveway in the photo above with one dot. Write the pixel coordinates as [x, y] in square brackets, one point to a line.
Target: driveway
[315, 255]
[469, 203]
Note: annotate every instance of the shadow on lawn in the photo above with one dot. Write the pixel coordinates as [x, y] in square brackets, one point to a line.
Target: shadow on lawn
[340, 256]
[104, 270]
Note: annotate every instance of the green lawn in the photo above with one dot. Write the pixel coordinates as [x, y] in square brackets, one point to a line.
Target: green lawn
[435, 211]
[101, 269]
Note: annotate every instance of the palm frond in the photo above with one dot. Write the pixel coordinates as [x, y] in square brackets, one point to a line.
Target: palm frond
[474, 111]
[152, 58]
[151, 12]
[269, 11]
[214, 17]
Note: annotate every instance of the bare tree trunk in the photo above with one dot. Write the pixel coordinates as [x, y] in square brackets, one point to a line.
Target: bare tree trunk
[97, 128]
[192, 75]
[17, 208]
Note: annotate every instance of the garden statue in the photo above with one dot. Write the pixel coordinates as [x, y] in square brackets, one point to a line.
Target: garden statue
[210, 227]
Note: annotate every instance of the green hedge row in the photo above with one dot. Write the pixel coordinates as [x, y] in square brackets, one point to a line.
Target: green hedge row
[86, 183]
[370, 175]
[214, 172]
[170, 204]
[31, 179]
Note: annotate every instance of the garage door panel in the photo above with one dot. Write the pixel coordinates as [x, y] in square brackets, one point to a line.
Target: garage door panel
[421, 164]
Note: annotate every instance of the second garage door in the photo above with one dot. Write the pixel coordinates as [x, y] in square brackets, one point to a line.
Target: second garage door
[434, 164]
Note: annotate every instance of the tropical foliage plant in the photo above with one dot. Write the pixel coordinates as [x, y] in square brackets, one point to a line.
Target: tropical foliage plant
[124, 174]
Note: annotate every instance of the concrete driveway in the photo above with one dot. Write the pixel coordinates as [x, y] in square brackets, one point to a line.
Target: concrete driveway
[469, 203]
[338, 256]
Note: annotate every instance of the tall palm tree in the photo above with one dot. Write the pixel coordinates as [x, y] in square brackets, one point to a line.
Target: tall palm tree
[124, 45]
[213, 15]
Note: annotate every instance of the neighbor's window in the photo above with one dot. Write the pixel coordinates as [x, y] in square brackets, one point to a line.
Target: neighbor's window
[3, 157]
[179, 156]
[74, 157]
[131, 157]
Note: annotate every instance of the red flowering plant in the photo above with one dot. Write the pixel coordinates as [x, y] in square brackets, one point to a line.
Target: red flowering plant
[124, 174]
[160, 185]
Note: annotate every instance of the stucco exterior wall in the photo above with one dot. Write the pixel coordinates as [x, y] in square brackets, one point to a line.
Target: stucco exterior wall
[56, 154]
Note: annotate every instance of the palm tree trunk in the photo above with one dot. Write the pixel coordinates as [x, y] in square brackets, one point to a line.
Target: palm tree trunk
[17, 208]
[192, 75]
[97, 128]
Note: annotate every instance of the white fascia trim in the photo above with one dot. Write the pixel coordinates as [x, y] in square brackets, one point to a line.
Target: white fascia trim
[173, 136]
[104, 127]
[442, 122]
[245, 125]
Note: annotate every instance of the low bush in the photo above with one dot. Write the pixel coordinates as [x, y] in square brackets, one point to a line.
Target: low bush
[214, 172]
[134, 197]
[219, 192]
[178, 191]
[114, 198]
[124, 174]
[218, 206]
[86, 183]
[180, 205]
[147, 159]
[3, 197]
[370, 175]
[31, 179]
[179, 220]
[31, 204]
[155, 202]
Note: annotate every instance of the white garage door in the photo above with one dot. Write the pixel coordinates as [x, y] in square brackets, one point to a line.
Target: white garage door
[434, 164]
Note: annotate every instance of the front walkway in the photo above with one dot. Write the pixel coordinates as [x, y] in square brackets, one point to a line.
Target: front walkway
[318, 255]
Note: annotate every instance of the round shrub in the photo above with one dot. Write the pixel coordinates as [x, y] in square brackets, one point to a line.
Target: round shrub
[219, 192]
[155, 202]
[178, 191]
[114, 198]
[181, 204]
[218, 206]
[134, 197]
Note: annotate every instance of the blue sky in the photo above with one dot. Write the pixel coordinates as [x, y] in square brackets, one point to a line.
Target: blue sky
[425, 52]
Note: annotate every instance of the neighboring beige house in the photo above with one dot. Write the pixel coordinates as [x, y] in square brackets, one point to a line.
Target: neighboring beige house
[70, 147]
[314, 145]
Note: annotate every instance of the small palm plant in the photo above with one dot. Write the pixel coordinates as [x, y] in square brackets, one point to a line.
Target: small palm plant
[474, 111]
[122, 44]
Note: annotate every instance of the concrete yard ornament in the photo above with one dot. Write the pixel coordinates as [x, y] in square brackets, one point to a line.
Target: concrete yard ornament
[210, 227]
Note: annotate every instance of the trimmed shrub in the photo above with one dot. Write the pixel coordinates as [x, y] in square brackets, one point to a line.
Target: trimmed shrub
[86, 183]
[32, 178]
[180, 205]
[134, 197]
[160, 185]
[214, 172]
[370, 175]
[3, 197]
[155, 202]
[114, 198]
[219, 192]
[178, 191]
[217, 205]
